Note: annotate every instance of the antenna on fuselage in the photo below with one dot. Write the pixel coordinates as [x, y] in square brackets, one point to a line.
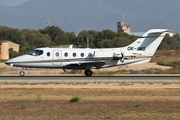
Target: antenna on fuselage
[87, 42]
[71, 46]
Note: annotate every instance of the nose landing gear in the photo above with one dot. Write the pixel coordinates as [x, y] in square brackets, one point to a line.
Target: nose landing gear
[88, 73]
[22, 73]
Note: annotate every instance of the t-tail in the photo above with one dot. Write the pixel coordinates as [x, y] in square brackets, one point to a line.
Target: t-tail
[148, 43]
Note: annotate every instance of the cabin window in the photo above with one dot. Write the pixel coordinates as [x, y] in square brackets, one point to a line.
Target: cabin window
[82, 54]
[65, 54]
[48, 54]
[36, 52]
[74, 54]
[57, 54]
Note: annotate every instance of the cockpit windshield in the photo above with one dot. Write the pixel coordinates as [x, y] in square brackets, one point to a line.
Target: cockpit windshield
[36, 52]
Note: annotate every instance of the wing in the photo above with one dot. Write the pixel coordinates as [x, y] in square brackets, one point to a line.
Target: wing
[85, 65]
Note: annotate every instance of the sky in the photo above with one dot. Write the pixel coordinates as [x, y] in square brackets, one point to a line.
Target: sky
[4, 3]
[73, 15]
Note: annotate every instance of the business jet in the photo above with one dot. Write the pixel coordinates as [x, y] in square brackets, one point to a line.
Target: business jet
[140, 51]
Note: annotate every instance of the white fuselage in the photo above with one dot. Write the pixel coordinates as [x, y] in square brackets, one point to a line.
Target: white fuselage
[62, 57]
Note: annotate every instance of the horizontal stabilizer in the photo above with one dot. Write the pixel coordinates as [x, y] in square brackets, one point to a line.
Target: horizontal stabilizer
[155, 32]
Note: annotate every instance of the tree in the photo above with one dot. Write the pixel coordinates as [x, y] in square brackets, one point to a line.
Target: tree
[57, 35]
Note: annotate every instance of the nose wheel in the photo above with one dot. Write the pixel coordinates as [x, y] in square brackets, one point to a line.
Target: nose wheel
[88, 73]
[22, 73]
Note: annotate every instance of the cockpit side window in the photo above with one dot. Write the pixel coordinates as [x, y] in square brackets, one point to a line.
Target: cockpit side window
[36, 53]
[39, 52]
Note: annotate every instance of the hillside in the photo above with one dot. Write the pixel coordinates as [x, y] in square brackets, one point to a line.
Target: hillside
[78, 15]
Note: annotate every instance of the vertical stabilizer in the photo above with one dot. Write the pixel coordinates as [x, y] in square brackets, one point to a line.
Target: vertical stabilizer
[148, 42]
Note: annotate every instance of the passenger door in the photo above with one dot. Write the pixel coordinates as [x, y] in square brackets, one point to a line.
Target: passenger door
[57, 57]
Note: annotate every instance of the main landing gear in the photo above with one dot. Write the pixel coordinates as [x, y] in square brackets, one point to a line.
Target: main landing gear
[22, 73]
[88, 73]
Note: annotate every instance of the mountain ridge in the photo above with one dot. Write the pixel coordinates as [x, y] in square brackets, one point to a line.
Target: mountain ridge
[79, 15]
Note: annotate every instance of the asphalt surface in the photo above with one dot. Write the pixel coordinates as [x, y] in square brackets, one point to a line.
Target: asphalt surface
[80, 78]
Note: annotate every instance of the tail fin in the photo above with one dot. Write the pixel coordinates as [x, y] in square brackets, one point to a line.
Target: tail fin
[148, 42]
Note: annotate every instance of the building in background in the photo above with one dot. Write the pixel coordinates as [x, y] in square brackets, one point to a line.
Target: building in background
[123, 29]
[4, 49]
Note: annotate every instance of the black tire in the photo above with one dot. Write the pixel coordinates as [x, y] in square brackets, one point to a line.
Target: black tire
[88, 72]
[22, 73]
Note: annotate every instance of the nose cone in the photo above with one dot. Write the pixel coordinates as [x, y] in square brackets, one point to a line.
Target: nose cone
[17, 61]
[6, 63]
[9, 62]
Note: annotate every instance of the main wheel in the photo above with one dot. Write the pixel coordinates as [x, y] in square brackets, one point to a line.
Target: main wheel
[21, 73]
[88, 72]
